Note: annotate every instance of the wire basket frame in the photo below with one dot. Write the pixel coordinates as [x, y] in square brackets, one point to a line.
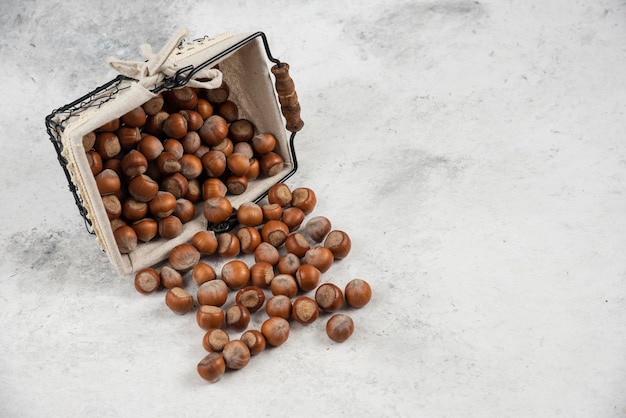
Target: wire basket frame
[57, 121]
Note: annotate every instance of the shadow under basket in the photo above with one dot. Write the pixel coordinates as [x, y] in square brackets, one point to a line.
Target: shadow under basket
[264, 95]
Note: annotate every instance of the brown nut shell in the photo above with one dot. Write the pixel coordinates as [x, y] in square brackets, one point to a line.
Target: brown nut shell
[275, 330]
[183, 257]
[339, 327]
[212, 367]
[357, 293]
[179, 300]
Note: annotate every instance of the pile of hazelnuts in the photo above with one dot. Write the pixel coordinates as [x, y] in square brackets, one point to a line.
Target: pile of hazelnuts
[154, 165]
[290, 251]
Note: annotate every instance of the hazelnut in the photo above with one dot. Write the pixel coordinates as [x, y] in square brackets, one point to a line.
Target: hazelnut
[202, 272]
[214, 130]
[182, 98]
[113, 206]
[255, 169]
[250, 214]
[358, 293]
[235, 274]
[218, 95]
[209, 316]
[228, 245]
[205, 242]
[215, 340]
[212, 367]
[237, 317]
[252, 297]
[183, 257]
[254, 340]
[173, 146]
[228, 110]
[175, 126]
[297, 244]
[266, 252]
[146, 229]
[162, 205]
[95, 162]
[126, 239]
[170, 227]
[275, 233]
[305, 199]
[176, 184]
[214, 293]
[111, 126]
[167, 163]
[190, 166]
[147, 280]
[307, 277]
[243, 148]
[134, 210]
[264, 143]
[280, 194]
[204, 108]
[280, 306]
[108, 182]
[107, 144]
[217, 209]
[236, 355]
[154, 105]
[214, 163]
[288, 264]
[271, 164]
[249, 239]
[339, 327]
[170, 278]
[305, 310]
[185, 210]
[89, 140]
[191, 142]
[150, 146]
[241, 130]
[194, 191]
[293, 217]
[284, 284]
[128, 137]
[225, 147]
[320, 257]
[179, 300]
[213, 187]
[236, 185]
[238, 164]
[135, 118]
[275, 330]
[261, 274]
[338, 242]
[142, 188]
[272, 212]
[329, 297]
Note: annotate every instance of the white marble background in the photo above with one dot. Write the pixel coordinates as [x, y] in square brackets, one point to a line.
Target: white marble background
[473, 149]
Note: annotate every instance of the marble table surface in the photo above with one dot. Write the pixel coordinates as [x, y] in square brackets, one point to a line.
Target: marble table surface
[474, 150]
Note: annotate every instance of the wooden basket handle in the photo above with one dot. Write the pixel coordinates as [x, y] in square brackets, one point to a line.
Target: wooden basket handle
[287, 97]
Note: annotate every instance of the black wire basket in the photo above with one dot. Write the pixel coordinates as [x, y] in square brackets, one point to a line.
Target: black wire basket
[58, 120]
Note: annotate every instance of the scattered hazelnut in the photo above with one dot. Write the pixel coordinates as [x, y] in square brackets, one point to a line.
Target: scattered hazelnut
[275, 330]
[236, 354]
[212, 367]
[179, 300]
[339, 327]
[358, 293]
[147, 280]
